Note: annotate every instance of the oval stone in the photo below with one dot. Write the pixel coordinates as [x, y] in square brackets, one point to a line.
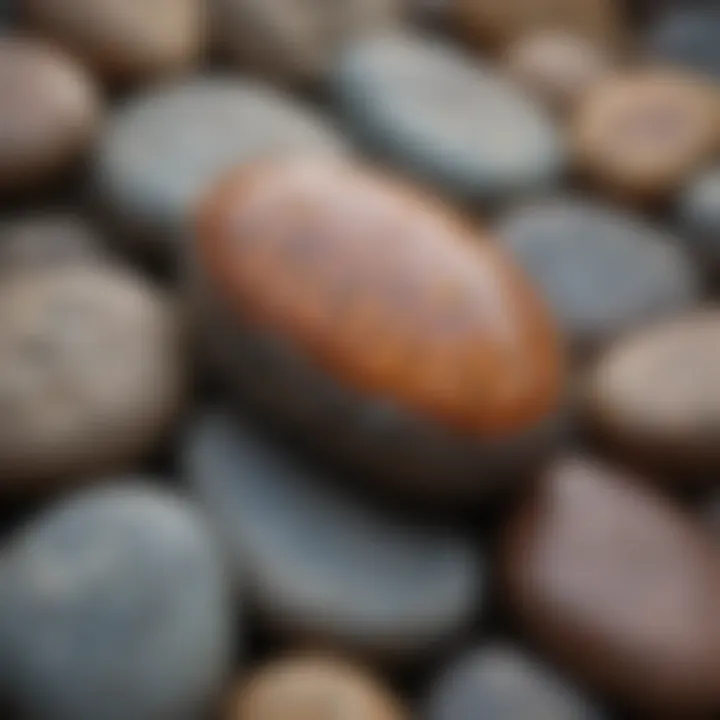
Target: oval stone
[603, 271]
[378, 324]
[92, 374]
[161, 151]
[304, 687]
[619, 586]
[50, 111]
[115, 605]
[500, 682]
[439, 115]
[322, 569]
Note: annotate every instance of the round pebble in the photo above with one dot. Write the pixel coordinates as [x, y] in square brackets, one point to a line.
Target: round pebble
[655, 396]
[50, 111]
[641, 136]
[297, 42]
[128, 41]
[699, 217]
[446, 119]
[619, 586]
[162, 149]
[379, 325]
[500, 682]
[301, 688]
[604, 272]
[115, 606]
[320, 568]
[91, 374]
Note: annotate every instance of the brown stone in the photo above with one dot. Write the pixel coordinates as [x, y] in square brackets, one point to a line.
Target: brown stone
[49, 113]
[313, 688]
[618, 586]
[640, 136]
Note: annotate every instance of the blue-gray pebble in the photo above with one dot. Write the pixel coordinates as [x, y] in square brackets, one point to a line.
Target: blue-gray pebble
[115, 606]
[699, 215]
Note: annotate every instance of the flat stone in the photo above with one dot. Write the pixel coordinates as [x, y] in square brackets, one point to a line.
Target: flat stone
[50, 111]
[499, 682]
[604, 272]
[619, 586]
[92, 374]
[447, 119]
[378, 325]
[320, 568]
[304, 687]
[699, 217]
[115, 606]
[162, 150]
[297, 42]
[128, 41]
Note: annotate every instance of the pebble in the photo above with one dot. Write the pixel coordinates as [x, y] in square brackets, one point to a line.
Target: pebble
[321, 568]
[115, 606]
[297, 42]
[125, 42]
[642, 135]
[50, 112]
[619, 586]
[499, 682]
[305, 687]
[446, 119]
[604, 272]
[699, 217]
[164, 147]
[655, 396]
[377, 324]
[92, 374]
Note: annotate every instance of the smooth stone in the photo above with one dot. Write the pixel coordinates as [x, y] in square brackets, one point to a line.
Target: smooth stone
[50, 111]
[656, 396]
[446, 119]
[305, 687]
[320, 568]
[619, 586]
[499, 682]
[297, 42]
[642, 135]
[115, 605]
[128, 42]
[378, 325]
[162, 150]
[699, 216]
[92, 374]
[604, 272]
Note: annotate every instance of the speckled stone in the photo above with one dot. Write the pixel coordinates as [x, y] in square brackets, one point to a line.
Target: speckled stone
[323, 569]
[92, 374]
[499, 682]
[130, 41]
[161, 151]
[603, 271]
[115, 605]
[699, 217]
[50, 111]
[445, 118]
[380, 326]
[297, 42]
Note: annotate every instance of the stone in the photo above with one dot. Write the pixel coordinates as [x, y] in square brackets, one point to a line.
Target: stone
[322, 569]
[641, 135]
[498, 682]
[162, 150]
[303, 687]
[446, 119]
[618, 586]
[698, 211]
[50, 111]
[604, 272]
[376, 324]
[297, 42]
[125, 42]
[654, 397]
[92, 374]
[115, 606]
